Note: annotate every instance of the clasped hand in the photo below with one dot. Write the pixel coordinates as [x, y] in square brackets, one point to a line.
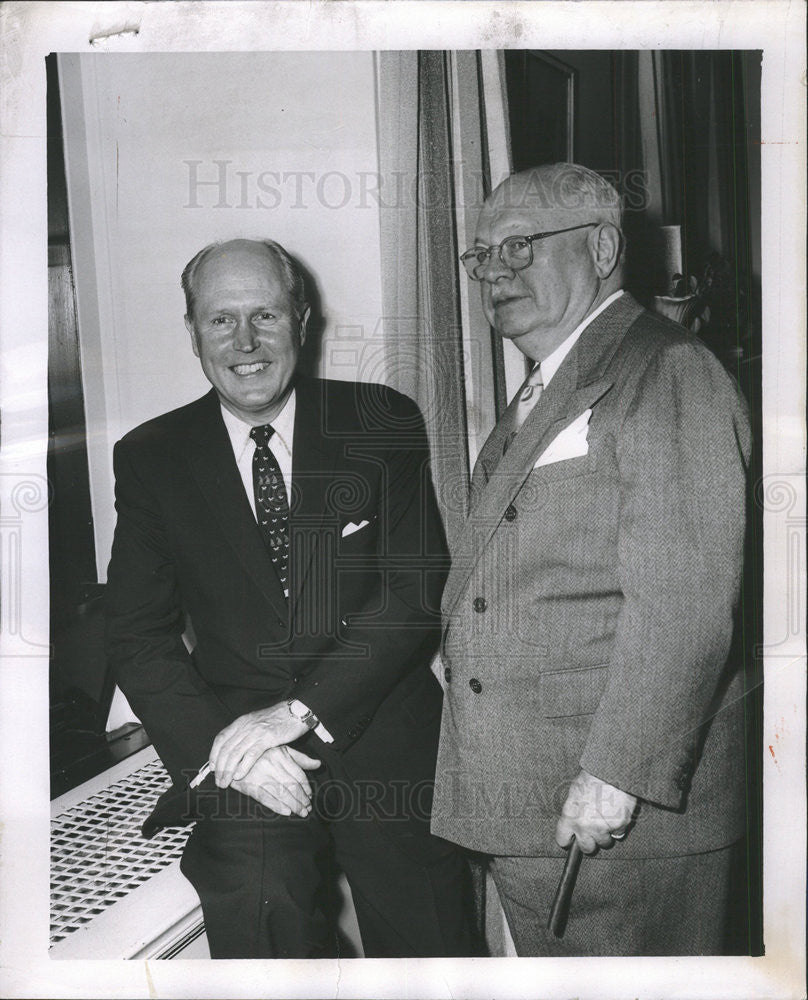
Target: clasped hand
[595, 814]
[278, 781]
[251, 755]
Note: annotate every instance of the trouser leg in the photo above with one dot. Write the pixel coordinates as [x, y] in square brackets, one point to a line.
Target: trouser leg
[405, 907]
[648, 906]
[266, 881]
[263, 885]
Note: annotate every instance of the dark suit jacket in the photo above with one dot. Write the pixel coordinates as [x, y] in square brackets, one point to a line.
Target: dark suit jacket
[589, 608]
[362, 621]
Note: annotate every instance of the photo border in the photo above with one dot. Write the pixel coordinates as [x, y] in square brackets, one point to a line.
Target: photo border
[29, 32]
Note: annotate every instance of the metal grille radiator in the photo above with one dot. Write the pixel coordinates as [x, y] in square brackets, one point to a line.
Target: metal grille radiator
[97, 853]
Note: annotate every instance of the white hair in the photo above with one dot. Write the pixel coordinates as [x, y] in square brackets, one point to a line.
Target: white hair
[561, 186]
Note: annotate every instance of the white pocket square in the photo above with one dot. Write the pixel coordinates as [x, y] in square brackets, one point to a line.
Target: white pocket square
[569, 443]
[351, 527]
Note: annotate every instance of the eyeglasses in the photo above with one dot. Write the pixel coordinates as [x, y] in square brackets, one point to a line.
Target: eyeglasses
[515, 252]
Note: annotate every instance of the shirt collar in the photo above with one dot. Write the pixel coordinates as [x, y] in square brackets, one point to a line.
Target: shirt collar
[239, 430]
[552, 362]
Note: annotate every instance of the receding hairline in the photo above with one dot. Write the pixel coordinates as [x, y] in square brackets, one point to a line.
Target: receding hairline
[286, 264]
[558, 187]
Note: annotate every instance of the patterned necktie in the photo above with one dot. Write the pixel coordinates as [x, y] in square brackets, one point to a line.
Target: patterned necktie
[529, 395]
[271, 502]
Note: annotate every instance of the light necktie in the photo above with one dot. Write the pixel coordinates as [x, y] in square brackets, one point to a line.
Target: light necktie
[529, 395]
[271, 502]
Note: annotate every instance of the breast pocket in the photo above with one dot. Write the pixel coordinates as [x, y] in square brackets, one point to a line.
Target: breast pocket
[358, 536]
[567, 468]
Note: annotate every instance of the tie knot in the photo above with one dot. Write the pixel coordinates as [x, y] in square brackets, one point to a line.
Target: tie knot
[262, 434]
[532, 383]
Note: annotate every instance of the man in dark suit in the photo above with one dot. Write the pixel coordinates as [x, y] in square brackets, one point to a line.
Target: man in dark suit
[589, 609]
[292, 523]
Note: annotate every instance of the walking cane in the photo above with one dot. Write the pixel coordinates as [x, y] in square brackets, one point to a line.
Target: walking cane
[560, 909]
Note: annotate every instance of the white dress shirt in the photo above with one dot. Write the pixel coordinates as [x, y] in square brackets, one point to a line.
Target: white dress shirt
[552, 362]
[280, 444]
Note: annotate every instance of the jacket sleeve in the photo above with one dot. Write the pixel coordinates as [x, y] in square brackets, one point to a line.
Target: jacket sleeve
[398, 628]
[682, 453]
[144, 626]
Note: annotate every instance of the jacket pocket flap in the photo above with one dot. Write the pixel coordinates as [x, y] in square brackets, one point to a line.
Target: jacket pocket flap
[571, 692]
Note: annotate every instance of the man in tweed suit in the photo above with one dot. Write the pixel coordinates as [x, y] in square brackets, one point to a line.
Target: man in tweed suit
[589, 609]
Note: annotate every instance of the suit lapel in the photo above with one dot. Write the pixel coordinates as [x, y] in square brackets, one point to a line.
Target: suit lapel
[314, 457]
[213, 466]
[578, 384]
[491, 454]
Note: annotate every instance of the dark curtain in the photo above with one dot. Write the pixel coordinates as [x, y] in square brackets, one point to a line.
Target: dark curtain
[688, 142]
[685, 147]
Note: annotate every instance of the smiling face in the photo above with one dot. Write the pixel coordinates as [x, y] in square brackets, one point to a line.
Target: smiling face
[537, 307]
[245, 330]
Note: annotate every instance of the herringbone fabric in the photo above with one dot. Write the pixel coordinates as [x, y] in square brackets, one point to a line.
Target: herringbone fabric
[588, 611]
[683, 901]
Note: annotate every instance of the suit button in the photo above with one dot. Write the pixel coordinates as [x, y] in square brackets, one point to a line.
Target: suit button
[295, 680]
[447, 673]
[475, 685]
[510, 512]
[480, 604]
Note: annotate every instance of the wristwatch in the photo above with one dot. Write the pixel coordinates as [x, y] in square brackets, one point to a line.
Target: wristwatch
[302, 713]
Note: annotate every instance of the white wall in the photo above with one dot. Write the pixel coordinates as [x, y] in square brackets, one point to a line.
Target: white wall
[289, 141]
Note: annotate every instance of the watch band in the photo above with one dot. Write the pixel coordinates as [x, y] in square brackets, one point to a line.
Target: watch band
[302, 713]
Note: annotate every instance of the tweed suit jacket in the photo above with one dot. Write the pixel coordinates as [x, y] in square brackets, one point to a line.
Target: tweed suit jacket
[588, 613]
[361, 625]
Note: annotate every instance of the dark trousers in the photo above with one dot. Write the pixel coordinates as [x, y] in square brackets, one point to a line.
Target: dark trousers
[266, 882]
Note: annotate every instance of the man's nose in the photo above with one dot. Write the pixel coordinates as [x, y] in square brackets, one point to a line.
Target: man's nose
[245, 336]
[493, 269]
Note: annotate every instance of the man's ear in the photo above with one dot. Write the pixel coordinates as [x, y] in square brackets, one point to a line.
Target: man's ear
[304, 320]
[607, 246]
[189, 326]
